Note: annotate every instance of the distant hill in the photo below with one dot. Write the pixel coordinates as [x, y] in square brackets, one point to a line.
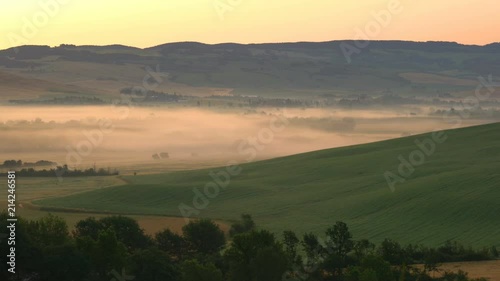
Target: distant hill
[286, 69]
[15, 86]
[453, 195]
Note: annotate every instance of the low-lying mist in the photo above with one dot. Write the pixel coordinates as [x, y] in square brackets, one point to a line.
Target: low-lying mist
[166, 138]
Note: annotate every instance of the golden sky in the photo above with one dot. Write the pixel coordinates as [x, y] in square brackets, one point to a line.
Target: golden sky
[151, 22]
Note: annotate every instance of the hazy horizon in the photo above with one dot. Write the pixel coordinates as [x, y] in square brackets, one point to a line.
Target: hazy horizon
[255, 43]
[212, 21]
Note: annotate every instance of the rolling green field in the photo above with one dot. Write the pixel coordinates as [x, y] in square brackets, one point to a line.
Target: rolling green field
[454, 195]
[29, 189]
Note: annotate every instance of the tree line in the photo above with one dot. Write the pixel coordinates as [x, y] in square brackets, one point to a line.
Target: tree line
[20, 163]
[64, 170]
[116, 248]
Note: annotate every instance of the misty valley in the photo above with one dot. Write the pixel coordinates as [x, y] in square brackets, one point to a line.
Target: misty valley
[250, 162]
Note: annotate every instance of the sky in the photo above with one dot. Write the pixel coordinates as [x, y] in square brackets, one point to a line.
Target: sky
[152, 22]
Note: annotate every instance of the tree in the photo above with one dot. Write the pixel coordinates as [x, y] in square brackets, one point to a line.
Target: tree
[391, 251]
[494, 252]
[270, 263]
[105, 254]
[64, 262]
[291, 243]
[245, 225]
[256, 256]
[28, 253]
[12, 163]
[339, 243]
[362, 248]
[381, 267]
[171, 243]
[204, 236]
[340, 239]
[313, 249]
[153, 265]
[89, 227]
[314, 252]
[332, 266]
[127, 230]
[415, 253]
[451, 248]
[48, 231]
[192, 270]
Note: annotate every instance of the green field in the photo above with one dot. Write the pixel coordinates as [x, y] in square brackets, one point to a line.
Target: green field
[29, 189]
[454, 195]
[37, 188]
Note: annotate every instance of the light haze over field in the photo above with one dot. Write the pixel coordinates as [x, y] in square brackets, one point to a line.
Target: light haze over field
[195, 137]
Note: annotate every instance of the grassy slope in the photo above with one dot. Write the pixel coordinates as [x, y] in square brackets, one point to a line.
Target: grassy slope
[15, 86]
[454, 195]
[37, 188]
